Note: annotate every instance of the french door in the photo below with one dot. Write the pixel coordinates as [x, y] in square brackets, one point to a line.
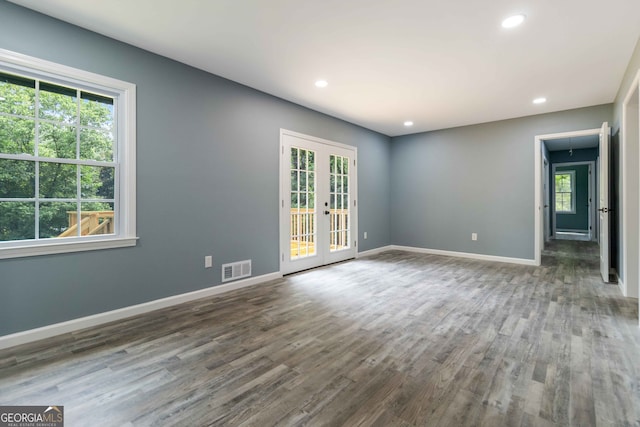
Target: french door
[318, 207]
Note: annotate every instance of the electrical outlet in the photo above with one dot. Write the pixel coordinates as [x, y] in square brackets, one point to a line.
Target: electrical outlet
[365, 235]
[208, 261]
[474, 236]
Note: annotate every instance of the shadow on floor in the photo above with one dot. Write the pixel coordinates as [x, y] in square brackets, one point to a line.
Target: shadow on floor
[572, 252]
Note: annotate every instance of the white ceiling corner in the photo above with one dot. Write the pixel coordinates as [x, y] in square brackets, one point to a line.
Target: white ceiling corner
[438, 63]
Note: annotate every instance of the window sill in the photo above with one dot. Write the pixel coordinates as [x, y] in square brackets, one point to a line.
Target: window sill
[58, 247]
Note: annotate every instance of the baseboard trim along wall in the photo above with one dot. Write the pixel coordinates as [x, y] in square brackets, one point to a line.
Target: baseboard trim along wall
[621, 286]
[109, 316]
[375, 251]
[481, 257]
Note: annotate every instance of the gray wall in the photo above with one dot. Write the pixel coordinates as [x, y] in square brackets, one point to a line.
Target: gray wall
[450, 183]
[627, 80]
[581, 155]
[207, 176]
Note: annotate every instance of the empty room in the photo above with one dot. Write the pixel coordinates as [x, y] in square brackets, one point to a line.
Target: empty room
[283, 213]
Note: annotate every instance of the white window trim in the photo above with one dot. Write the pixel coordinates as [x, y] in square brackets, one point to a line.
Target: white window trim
[126, 93]
[573, 190]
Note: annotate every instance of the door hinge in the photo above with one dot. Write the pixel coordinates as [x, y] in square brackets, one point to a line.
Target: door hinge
[355, 243]
[354, 203]
[283, 203]
[282, 257]
[283, 150]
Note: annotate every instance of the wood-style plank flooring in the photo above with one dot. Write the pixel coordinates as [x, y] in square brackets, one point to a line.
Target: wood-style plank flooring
[396, 339]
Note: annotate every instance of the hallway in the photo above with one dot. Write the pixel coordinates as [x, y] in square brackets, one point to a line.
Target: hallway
[571, 252]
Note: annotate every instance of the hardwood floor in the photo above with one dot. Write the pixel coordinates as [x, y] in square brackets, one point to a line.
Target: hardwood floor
[396, 339]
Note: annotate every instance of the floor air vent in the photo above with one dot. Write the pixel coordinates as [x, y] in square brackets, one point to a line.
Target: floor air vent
[236, 270]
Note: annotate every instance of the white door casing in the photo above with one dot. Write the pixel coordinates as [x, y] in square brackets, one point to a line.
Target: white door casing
[629, 203]
[546, 178]
[318, 202]
[603, 205]
[539, 232]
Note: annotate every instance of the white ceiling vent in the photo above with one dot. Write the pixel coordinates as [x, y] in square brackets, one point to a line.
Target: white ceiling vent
[236, 270]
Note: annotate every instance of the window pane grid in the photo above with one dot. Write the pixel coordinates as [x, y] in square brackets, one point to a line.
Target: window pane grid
[564, 191]
[18, 199]
[72, 186]
[53, 122]
[339, 237]
[303, 215]
[28, 158]
[17, 116]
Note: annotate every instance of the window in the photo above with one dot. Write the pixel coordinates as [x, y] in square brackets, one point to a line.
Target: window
[565, 189]
[67, 159]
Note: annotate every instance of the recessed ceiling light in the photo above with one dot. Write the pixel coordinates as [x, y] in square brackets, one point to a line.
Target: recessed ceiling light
[540, 100]
[513, 21]
[322, 83]
[408, 123]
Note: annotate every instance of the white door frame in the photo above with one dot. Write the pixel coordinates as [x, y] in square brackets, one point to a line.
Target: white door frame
[546, 209]
[538, 239]
[284, 200]
[628, 284]
[604, 208]
[590, 190]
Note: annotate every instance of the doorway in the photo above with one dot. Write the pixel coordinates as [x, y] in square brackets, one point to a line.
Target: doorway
[573, 208]
[595, 142]
[318, 206]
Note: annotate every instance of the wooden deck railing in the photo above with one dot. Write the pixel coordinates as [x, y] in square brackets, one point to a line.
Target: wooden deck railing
[303, 229]
[91, 223]
[302, 232]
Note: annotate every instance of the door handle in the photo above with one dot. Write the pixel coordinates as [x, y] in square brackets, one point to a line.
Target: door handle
[327, 212]
[603, 210]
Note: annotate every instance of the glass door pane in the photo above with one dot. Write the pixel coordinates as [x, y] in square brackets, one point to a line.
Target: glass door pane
[303, 217]
[339, 227]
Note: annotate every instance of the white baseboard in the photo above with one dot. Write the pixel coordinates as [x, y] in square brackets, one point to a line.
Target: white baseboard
[122, 313]
[481, 257]
[622, 286]
[375, 251]
[582, 235]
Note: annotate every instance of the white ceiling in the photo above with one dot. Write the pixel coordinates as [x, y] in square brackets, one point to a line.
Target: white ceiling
[438, 63]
